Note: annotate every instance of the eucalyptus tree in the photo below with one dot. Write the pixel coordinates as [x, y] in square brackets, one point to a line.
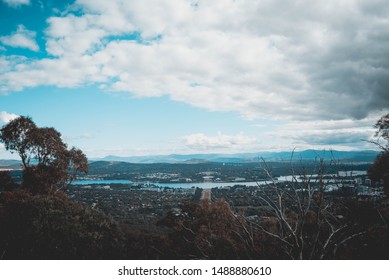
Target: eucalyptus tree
[48, 164]
[16, 136]
[380, 168]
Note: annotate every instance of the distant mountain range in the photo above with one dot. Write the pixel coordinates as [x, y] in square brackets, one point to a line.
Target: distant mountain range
[345, 156]
[348, 156]
[10, 164]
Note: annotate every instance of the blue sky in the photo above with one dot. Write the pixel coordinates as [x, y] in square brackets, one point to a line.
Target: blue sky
[160, 77]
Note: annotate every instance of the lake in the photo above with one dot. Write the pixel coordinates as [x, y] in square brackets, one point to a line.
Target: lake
[203, 185]
[209, 185]
[101, 182]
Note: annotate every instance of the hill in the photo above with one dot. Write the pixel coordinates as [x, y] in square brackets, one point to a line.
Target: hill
[348, 156]
[10, 164]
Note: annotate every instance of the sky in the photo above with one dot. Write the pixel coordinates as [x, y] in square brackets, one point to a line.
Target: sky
[196, 76]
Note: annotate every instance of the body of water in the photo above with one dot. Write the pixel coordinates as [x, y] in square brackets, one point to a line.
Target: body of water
[210, 185]
[203, 185]
[101, 182]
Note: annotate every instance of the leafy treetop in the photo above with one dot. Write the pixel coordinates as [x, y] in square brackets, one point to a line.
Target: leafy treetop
[48, 164]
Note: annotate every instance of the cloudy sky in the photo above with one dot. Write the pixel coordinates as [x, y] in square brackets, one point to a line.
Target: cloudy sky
[196, 76]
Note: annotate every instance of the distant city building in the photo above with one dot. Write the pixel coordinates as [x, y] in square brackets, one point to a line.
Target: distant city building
[208, 178]
[239, 179]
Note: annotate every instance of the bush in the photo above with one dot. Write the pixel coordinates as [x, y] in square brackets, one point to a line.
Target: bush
[54, 227]
[6, 181]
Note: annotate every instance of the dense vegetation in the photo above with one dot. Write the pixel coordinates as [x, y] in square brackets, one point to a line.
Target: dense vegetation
[380, 169]
[54, 227]
[48, 164]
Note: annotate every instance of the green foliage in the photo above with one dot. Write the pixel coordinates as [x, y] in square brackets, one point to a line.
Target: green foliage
[16, 136]
[207, 231]
[53, 227]
[144, 243]
[6, 181]
[382, 126]
[54, 164]
[380, 168]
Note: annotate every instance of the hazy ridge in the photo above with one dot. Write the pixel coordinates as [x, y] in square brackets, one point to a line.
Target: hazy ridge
[352, 156]
[349, 156]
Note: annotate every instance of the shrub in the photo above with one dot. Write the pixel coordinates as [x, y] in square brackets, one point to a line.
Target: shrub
[54, 227]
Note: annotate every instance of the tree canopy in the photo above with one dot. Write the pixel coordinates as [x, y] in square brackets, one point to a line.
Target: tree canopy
[380, 168]
[16, 136]
[382, 126]
[48, 163]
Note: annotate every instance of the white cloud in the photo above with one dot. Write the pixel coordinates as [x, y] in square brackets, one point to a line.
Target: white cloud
[22, 38]
[16, 3]
[7, 117]
[203, 142]
[4, 154]
[339, 134]
[84, 136]
[295, 60]
[2, 150]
